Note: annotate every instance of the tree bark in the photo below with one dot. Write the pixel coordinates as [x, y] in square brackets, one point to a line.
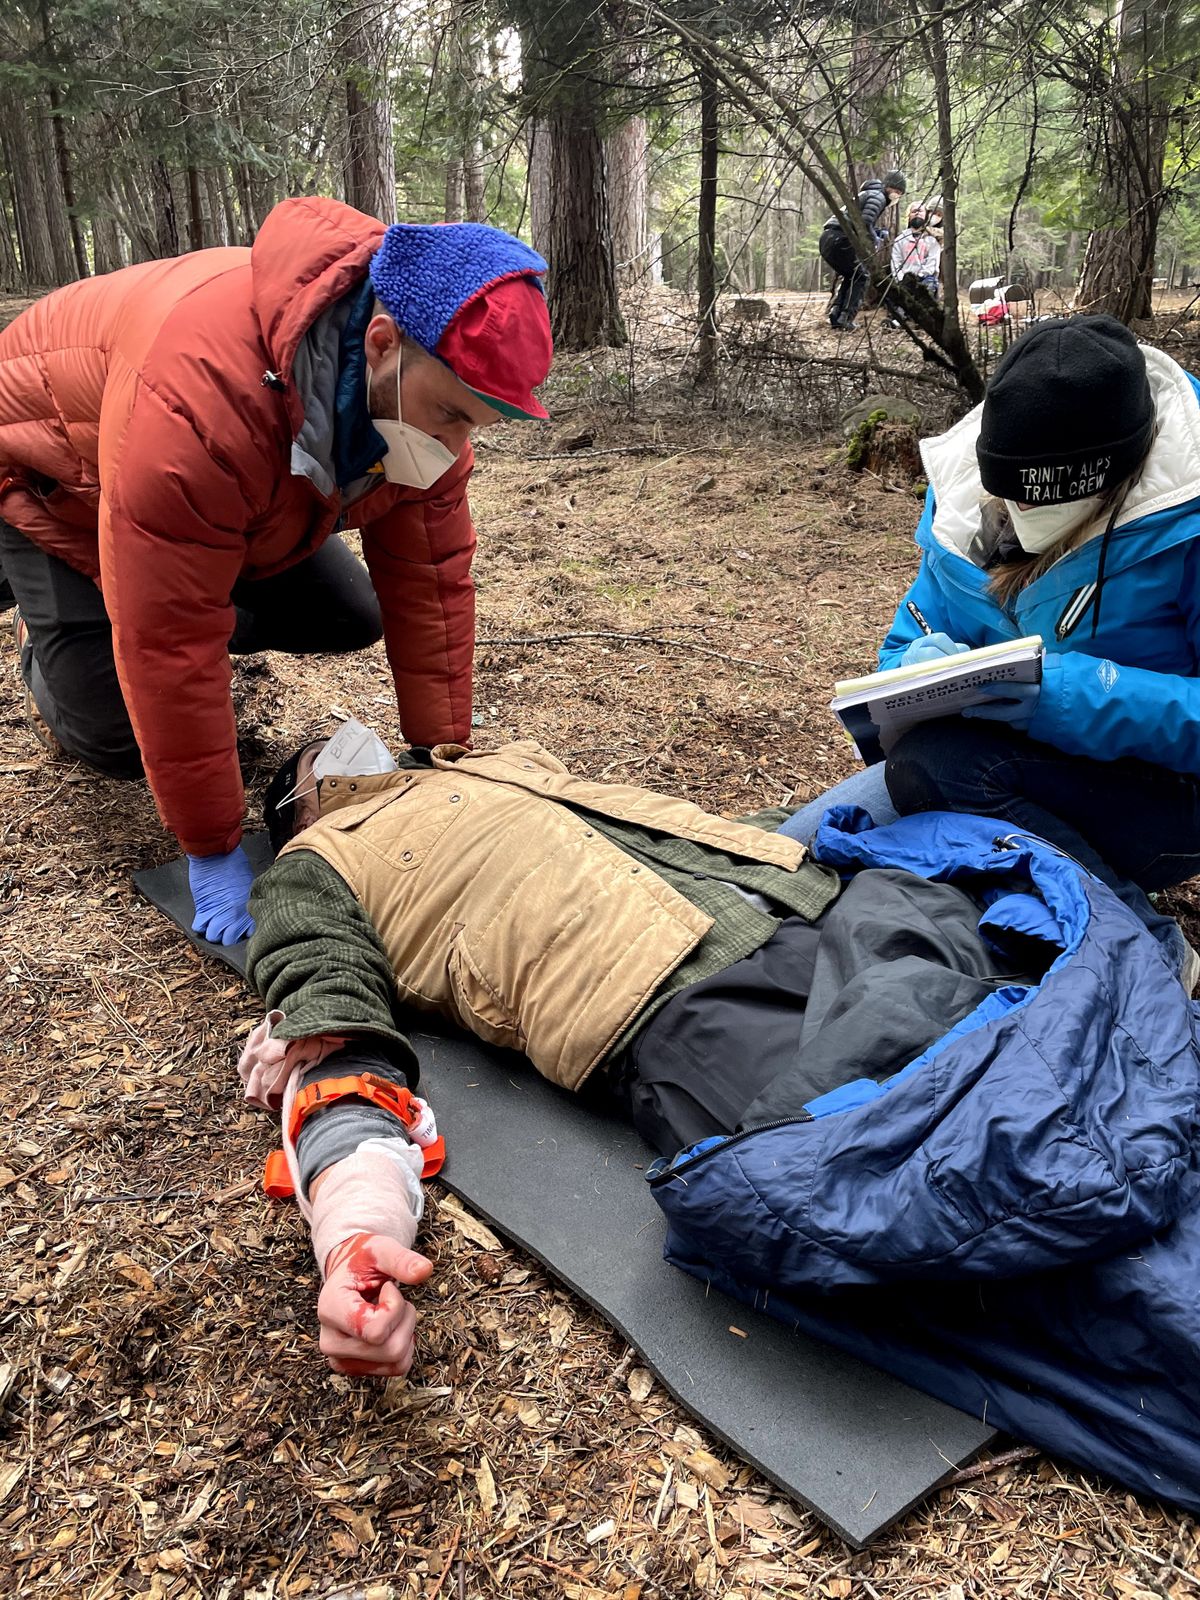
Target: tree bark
[370, 151]
[65, 269]
[706, 263]
[107, 255]
[453, 209]
[1117, 275]
[474, 185]
[627, 160]
[540, 207]
[581, 285]
[166, 223]
[29, 198]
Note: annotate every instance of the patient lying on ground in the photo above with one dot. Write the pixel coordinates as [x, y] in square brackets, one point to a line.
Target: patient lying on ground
[701, 974]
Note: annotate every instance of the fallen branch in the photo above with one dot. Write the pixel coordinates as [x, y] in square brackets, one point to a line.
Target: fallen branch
[1025, 1452]
[629, 638]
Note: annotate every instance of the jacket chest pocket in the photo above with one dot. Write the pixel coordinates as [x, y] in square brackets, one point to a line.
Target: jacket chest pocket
[422, 818]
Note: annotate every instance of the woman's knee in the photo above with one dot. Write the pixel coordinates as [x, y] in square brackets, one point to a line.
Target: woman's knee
[942, 766]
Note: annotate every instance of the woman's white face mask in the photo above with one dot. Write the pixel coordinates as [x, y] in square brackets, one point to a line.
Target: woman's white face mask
[1039, 528]
[413, 458]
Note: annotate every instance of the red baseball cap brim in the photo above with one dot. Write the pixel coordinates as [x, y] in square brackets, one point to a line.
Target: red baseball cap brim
[498, 343]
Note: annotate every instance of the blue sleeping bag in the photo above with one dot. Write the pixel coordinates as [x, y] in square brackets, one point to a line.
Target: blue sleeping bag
[1012, 1222]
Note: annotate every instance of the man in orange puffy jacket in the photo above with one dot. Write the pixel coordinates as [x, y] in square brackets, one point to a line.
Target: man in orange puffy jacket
[178, 442]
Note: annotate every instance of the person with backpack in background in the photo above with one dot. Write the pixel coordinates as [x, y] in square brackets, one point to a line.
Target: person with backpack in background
[838, 250]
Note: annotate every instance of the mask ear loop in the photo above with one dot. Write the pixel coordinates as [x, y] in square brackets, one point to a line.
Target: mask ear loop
[296, 793]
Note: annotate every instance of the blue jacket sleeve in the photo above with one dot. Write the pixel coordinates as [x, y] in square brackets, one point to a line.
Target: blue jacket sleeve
[1104, 710]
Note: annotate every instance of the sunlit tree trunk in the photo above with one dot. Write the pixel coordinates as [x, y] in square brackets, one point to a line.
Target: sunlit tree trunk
[627, 152]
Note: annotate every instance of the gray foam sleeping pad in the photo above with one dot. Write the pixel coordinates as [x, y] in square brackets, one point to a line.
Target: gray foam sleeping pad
[566, 1182]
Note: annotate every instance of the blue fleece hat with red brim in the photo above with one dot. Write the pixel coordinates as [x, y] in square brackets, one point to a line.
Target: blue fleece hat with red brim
[472, 296]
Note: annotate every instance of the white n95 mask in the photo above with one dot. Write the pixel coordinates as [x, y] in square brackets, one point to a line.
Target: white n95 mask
[413, 458]
[1040, 528]
[353, 752]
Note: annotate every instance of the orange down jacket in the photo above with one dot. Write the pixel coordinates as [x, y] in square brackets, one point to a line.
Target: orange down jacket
[139, 443]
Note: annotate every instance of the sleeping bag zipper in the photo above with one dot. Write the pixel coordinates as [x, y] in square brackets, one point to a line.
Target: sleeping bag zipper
[661, 1174]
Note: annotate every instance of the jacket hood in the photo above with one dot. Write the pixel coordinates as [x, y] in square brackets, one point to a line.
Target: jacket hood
[1170, 478]
[309, 253]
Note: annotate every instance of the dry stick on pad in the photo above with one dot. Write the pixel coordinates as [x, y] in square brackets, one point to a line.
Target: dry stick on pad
[567, 1182]
[877, 709]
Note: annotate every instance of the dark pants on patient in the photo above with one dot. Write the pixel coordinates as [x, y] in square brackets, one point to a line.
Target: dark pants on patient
[324, 604]
[1134, 825]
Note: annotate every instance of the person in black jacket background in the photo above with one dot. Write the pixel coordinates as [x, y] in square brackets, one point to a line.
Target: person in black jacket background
[837, 249]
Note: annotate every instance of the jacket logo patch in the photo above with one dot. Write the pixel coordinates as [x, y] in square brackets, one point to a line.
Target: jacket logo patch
[1108, 675]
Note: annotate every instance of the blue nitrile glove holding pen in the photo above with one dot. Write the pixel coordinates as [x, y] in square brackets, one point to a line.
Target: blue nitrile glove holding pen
[1014, 703]
[931, 646]
[220, 888]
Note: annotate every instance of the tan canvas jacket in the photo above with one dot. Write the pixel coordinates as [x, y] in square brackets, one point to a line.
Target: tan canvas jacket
[533, 932]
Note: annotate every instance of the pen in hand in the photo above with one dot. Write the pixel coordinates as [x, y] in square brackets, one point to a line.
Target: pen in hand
[915, 612]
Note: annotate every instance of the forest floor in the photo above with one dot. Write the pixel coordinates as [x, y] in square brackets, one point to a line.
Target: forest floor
[671, 614]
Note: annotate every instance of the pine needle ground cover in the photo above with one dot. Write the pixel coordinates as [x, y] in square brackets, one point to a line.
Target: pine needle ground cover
[671, 614]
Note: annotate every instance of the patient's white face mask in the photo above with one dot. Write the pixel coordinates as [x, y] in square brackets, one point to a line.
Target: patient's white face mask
[413, 458]
[1041, 527]
[353, 752]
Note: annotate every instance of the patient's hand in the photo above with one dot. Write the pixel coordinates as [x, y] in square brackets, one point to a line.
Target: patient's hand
[367, 1326]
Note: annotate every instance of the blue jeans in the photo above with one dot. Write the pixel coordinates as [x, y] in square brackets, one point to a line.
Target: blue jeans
[1134, 825]
[867, 789]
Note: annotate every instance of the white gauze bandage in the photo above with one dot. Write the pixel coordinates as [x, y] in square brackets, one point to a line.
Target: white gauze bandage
[376, 1190]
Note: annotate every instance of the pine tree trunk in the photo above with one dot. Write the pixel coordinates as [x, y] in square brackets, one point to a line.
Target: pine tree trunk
[219, 215]
[539, 183]
[453, 209]
[581, 285]
[370, 151]
[706, 263]
[166, 223]
[29, 200]
[10, 264]
[65, 270]
[474, 186]
[1117, 275]
[107, 255]
[627, 160]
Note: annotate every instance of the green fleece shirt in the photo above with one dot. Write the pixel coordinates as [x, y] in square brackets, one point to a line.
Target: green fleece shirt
[316, 957]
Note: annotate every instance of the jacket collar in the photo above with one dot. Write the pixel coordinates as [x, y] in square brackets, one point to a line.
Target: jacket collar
[309, 253]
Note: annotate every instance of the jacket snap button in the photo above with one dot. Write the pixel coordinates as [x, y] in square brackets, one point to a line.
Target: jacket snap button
[333, 783]
[635, 869]
[353, 788]
[454, 799]
[587, 833]
[407, 856]
[528, 765]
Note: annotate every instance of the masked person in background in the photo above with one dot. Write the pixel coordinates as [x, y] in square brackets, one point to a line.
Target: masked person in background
[917, 257]
[1066, 505]
[179, 442]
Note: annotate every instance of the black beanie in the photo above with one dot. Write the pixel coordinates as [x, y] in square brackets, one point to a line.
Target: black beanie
[1068, 413]
[894, 180]
[279, 814]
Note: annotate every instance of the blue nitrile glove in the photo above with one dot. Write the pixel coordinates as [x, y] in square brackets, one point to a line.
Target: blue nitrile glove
[220, 888]
[1013, 703]
[931, 645]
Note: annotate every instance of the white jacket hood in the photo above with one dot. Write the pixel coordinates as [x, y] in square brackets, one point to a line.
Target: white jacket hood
[1171, 476]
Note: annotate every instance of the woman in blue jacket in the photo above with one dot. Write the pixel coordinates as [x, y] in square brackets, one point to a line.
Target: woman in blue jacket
[1066, 505]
